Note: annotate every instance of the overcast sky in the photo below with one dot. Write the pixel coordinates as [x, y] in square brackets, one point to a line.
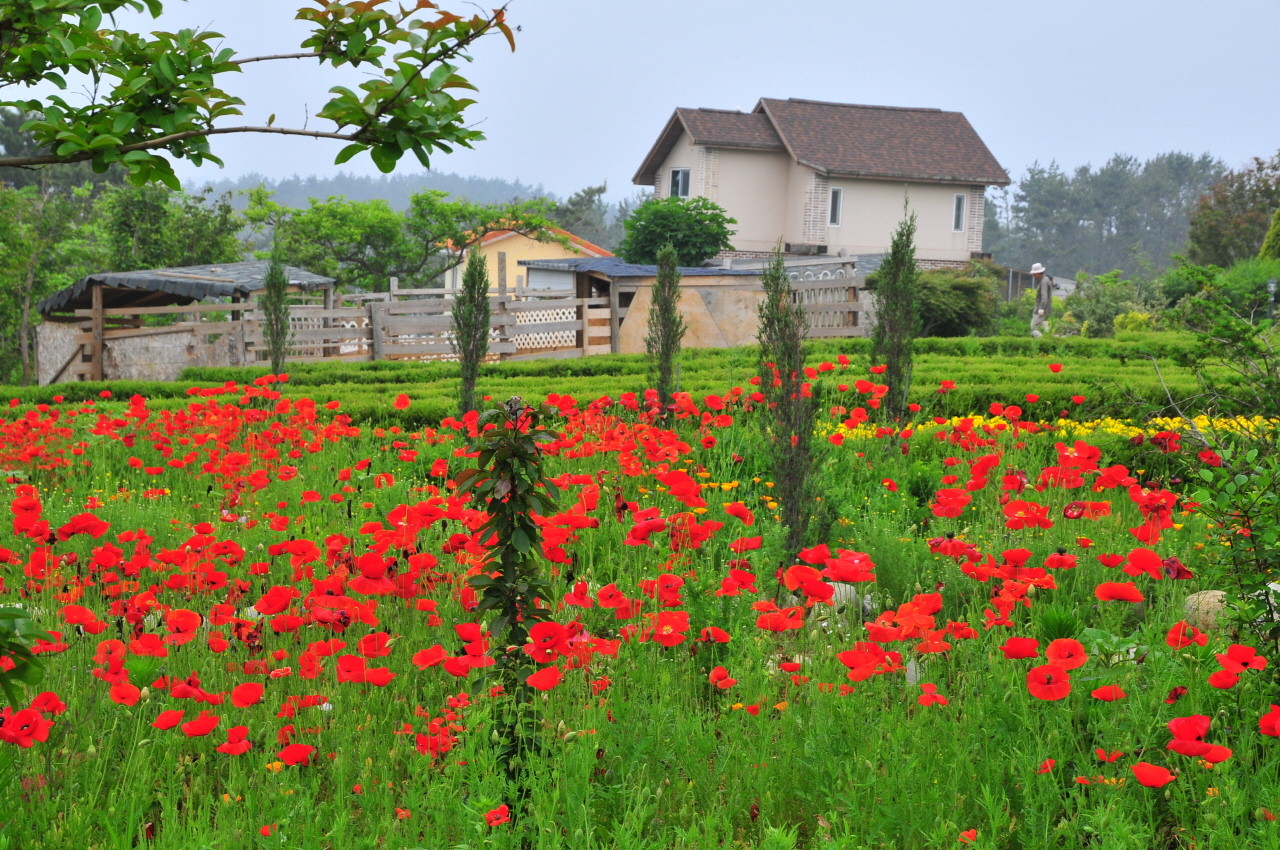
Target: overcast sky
[593, 82]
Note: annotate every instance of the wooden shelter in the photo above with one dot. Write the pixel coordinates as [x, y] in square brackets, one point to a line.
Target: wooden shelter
[110, 320]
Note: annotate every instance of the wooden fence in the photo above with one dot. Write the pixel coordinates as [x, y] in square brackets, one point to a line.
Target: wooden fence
[127, 343]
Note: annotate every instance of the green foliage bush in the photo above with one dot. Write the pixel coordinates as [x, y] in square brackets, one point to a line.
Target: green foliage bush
[958, 303]
[697, 228]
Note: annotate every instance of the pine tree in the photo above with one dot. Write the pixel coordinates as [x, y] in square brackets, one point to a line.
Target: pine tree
[897, 315]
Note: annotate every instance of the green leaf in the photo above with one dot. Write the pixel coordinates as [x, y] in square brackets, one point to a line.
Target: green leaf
[348, 152]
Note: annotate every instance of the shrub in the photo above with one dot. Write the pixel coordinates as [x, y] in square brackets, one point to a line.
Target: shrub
[963, 303]
[697, 228]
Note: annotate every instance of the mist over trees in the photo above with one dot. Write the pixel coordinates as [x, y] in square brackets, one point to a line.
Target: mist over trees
[396, 189]
[1128, 215]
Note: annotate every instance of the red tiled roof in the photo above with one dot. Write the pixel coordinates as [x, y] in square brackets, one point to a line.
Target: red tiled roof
[840, 139]
[588, 248]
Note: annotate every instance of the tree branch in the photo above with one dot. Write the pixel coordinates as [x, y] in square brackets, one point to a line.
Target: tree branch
[162, 141]
[275, 56]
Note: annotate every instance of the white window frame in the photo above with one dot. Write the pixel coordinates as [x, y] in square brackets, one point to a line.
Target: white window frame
[959, 215]
[681, 178]
[835, 209]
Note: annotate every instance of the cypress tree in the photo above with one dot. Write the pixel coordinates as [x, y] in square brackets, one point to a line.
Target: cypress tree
[666, 326]
[897, 315]
[471, 316]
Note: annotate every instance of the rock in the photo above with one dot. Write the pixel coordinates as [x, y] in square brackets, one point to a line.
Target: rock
[1204, 608]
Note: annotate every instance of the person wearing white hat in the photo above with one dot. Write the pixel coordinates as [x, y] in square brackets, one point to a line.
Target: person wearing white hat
[1044, 300]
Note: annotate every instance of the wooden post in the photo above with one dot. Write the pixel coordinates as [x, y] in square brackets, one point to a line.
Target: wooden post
[502, 274]
[328, 320]
[96, 330]
[375, 328]
[615, 321]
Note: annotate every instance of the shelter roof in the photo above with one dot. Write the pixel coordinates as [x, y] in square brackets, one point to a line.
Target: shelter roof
[613, 267]
[163, 287]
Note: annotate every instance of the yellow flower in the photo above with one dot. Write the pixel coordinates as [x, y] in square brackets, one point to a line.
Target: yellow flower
[275, 766]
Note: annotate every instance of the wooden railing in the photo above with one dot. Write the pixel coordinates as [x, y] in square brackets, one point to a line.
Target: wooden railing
[126, 342]
[550, 324]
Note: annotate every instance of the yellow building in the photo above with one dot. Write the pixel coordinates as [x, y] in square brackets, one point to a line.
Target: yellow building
[504, 249]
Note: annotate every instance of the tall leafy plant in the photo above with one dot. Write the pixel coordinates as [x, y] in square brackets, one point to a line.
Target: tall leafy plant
[666, 326]
[471, 315]
[508, 484]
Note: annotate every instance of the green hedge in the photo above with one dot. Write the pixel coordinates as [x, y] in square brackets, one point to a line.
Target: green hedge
[1115, 376]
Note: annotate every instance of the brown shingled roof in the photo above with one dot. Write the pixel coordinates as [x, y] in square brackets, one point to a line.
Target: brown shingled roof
[841, 139]
[883, 142]
[730, 129]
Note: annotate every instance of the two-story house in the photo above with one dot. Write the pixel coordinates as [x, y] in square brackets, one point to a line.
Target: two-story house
[831, 178]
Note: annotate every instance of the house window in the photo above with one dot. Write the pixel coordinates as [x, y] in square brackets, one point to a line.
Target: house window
[679, 182]
[958, 223]
[837, 200]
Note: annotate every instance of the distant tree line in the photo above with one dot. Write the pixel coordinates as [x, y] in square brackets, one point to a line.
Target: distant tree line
[1126, 215]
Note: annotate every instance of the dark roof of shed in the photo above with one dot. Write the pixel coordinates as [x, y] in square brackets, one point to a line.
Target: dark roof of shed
[614, 267]
[162, 287]
[841, 140]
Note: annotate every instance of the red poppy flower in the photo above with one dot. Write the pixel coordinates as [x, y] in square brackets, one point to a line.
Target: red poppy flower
[1191, 728]
[720, 678]
[1239, 658]
[1184, 634]
[969, 836]
[1048, 682]
[125, 693]
[1107, 757]
[1055, 367]
[1224, 680]
[1175, 694]
[295, 754]
[497, 816]
[740, 511]
[1269, 723]
[402, 402]
[168, 719]
[1066, 653]
[1118, 591]
[1108, 693]
[545, 679]
[1151, 775]
[247, 694]
[1046, 766]
[237, 742]
[1020, 647]
[202, 725]
[931, 695]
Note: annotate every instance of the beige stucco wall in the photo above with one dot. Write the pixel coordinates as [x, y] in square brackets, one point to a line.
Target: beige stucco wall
[517, 247]
[752, 186]
[683, 155]
[719, 312]
[873, 209]
[773, 197]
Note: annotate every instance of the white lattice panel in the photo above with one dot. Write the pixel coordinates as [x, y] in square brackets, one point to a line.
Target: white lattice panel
[545, 340]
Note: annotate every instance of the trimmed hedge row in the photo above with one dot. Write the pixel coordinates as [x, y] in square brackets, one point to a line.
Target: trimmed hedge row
[1114, 377]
